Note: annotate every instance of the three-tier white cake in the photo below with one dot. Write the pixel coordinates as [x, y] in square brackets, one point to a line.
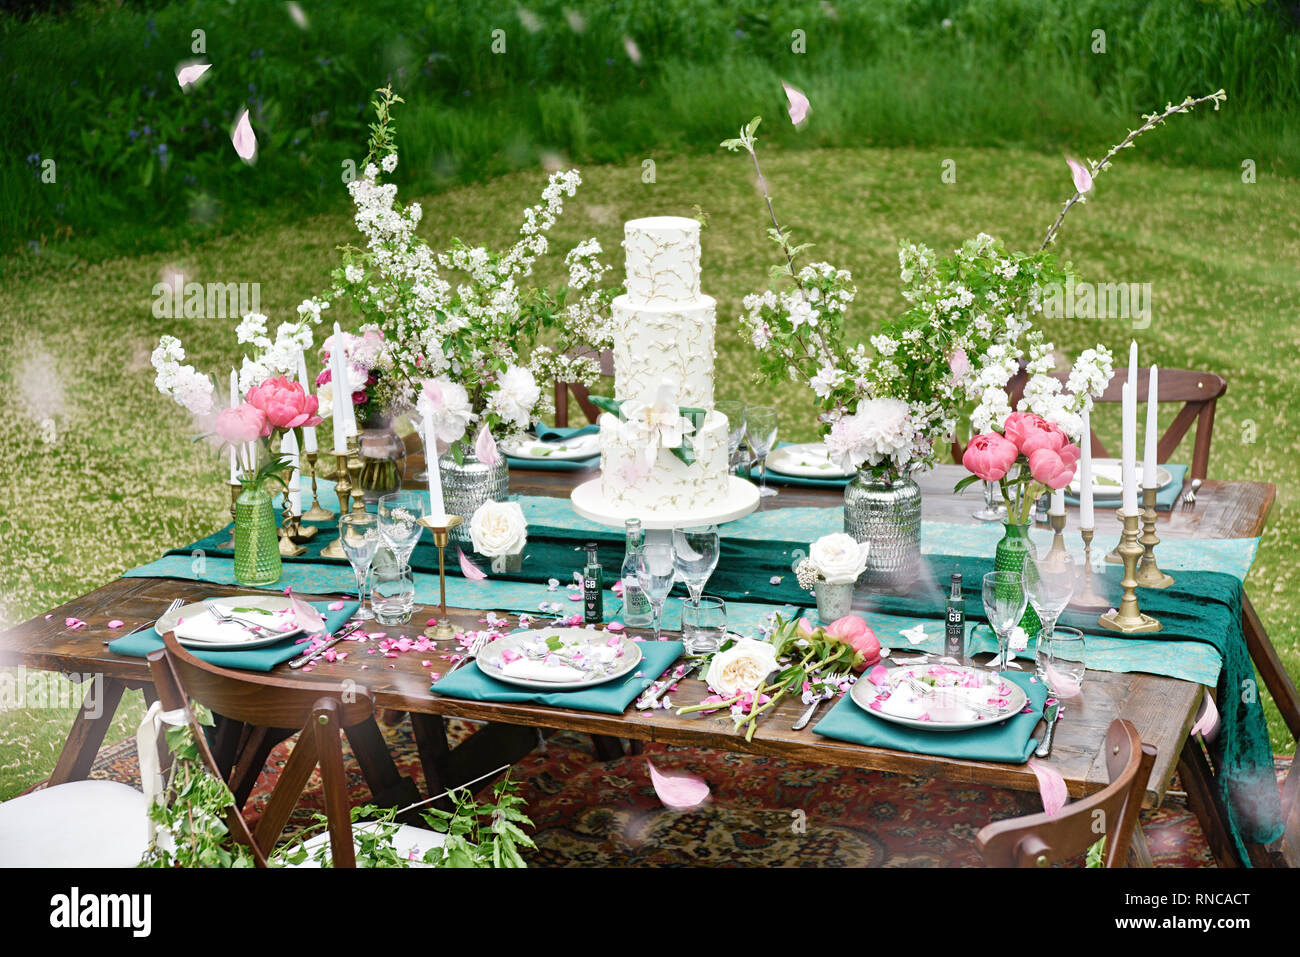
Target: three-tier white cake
[658, 464]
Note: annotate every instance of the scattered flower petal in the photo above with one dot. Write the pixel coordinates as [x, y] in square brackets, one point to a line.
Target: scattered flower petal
[677, 789]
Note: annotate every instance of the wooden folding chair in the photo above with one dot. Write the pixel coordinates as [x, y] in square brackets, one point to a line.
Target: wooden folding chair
[1039, 841]
[580, 393]
[322, 712]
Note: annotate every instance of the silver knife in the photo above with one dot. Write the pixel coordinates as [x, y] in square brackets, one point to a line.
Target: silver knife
[313, 655]
[652, 698]
[1053, 712]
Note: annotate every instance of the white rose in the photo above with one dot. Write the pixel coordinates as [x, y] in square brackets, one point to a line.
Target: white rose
[742, 667]
[840, 557]
[498, 528]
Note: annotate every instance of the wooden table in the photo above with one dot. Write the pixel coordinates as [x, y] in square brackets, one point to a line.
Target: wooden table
[1161, 708]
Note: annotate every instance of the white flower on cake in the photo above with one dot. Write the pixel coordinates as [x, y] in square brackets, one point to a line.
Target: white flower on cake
[498, 528]
[839, 557]
[880, 430]
[742, 667]
[657, 425]
[515, 396]
[446, 404]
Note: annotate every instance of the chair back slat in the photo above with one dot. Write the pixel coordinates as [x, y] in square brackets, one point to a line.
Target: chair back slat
[1037, 840]
[580, 393]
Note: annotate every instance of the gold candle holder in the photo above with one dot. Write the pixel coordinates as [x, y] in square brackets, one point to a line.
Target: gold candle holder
[1149, 574]
[316, 513]
[343, 488]
[1113, 556]
[288, 547]
[441, 526]
[1129, 618]
[1088, 598]
[235, 489]
[1058, 538]
[354, 470]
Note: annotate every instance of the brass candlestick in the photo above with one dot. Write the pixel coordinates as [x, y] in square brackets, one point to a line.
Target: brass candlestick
[354, 469]
[1058, 538]
[288, 547]
[235, 489]
[1087, 597]
[1129, 617]
[441, 526]
[343, 488]
[1149, 574]
[1113, 556]
[316, 513]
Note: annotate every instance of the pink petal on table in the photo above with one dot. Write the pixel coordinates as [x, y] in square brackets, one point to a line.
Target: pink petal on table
[575, 598]
[879, 675]
[677, 789]
[485, 447]
[1064, 685]
[305, 614]
[48, 617]
[431, 622]
[243, 139]
[188, 76]
[73, 623]
[1050, 785]
[615, 626]
[799, 107]
[1081, 174]
[1207, 720]
[116, 623]
[335, 606]
[469, 569]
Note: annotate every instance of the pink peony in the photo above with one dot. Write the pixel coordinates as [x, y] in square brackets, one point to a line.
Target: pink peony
[1031, 432]
[285, 403]
[243, 423]
[1054, 468]
[857, 634]
[990, 456]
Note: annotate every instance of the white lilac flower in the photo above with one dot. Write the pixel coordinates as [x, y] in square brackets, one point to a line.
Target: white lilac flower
[252, 328]
[389, 162]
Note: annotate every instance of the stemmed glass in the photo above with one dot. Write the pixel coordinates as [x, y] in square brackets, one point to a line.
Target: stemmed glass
[695, 555]
[655, 573]
[418, 424]
[735, 413]
[1004, 605]
[1050, 582]
[990, 512]
[761, 428]
[399, 522]
[359, 533]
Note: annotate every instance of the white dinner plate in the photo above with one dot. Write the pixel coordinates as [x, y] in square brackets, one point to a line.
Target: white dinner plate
[1108, 478]
[578, 447]
[806, 460]
[224, 637]
[559, 659]
[946, 709]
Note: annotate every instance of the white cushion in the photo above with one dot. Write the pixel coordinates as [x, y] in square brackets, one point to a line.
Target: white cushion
[406, 840]
[79, 824]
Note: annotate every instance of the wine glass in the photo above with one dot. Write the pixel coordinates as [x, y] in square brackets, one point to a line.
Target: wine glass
[735, 413]
[990, 512]
[399, 521]
[1059, 660]
[1049, 582]
[761, 429]
[1004, 605]
[359, 534]
[695, 555]
[655, 572]
[418, 424]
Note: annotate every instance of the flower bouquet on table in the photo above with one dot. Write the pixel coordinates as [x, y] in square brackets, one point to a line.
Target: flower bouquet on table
[499, 531]
[831, 570]
[748, 676]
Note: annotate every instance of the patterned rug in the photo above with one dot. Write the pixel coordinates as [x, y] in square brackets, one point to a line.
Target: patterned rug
[763, 812]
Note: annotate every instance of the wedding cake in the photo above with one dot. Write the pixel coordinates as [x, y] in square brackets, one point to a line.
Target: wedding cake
[666, 452]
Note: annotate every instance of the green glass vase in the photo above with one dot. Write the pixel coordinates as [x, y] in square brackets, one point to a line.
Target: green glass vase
[1010, 557]
[257, 547]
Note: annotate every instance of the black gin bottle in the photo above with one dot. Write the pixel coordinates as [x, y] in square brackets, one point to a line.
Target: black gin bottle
[593, 588]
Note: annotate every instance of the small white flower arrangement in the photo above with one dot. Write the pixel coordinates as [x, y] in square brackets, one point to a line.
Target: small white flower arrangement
[497, 529]
[836, 559]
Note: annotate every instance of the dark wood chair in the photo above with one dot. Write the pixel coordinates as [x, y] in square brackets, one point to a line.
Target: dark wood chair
[1039, 841]
[322, 712]
[1198, 391]
[581, 394]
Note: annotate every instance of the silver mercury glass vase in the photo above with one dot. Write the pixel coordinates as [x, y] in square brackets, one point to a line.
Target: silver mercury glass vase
[887, 514]
[467, 485]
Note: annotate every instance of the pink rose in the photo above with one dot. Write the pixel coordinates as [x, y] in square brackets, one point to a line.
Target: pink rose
[1031, 432]
[1054, 468]
[855, 633]
[243, 423]
[285, 403]
[990, 456]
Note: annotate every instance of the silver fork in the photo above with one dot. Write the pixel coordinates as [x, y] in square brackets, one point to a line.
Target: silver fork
[225, 617]
[475, 647]
[176, 603]
[1189, 497]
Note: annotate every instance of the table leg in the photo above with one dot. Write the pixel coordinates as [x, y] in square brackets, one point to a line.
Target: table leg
[87, 734]
[1198, 781]
[389, 786]
[607, 748]
[491, 747]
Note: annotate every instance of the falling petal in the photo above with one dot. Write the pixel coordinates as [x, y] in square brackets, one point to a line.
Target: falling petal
[1207, 721]
[305, 615]
[1082, 175]
[468, 568]
[799, 106]
[188, 76]
[1050, 785]
[298, 16]
[485, 447]
[633, 51]
[243, 139]
[677, 789]
[1063, 685]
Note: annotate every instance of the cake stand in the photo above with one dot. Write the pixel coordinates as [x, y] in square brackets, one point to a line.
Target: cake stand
[740, 500]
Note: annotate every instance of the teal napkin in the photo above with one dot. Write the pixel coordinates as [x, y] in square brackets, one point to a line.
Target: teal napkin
[1165, 498]
[142, 643]
[613, 697]
[550, 433]
[1007, 741]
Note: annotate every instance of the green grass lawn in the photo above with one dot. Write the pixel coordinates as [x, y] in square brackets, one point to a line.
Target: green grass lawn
[122, 480]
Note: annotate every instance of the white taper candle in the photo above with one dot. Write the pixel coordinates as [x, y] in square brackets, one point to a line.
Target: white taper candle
[436, 504]
[308, 431]
[234, 403]
[338, 415]
[1149, 453]
[1085, 474]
